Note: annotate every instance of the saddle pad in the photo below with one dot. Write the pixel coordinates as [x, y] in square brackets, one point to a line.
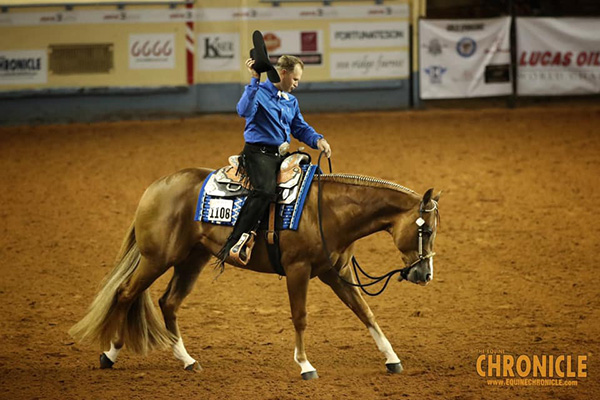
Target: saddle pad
[225, 211]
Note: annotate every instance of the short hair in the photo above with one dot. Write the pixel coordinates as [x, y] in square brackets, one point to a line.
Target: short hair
[289, 63]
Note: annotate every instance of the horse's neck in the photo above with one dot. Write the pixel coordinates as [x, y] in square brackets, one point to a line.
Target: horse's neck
[363, 210]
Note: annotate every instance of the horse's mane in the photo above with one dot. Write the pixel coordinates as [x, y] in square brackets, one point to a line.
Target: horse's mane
[362, 180]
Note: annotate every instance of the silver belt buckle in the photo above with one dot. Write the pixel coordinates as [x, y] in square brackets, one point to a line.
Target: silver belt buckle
[283, 148]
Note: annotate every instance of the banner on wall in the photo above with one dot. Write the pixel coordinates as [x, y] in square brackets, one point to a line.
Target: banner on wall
[368, 34]
[152, 51]
[201, 14]
[219, 51]
[558, 56]
[22, 67]
[369, 65]
[464, 58]
[306, 45]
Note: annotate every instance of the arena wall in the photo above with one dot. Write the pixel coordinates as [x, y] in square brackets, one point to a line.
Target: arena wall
[195, 57]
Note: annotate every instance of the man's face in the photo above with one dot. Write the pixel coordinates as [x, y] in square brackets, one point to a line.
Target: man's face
[290, 80]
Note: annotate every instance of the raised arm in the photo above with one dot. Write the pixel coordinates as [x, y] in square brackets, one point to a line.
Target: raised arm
[246, 107]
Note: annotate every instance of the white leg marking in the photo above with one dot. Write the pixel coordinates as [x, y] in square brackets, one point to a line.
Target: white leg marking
[431, 267]
[384, 346]
[113, 353]
[304, 365]
[181, 353]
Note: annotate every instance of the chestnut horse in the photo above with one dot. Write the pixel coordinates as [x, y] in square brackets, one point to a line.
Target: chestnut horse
[164, 234]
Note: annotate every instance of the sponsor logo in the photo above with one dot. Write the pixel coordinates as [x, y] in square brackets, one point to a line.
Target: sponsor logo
[370, 64]
[307, 59]
[557, 58]
[218, 48]
[272, 41]
[466, 47]
[530, 370]
[464, 27]
[497, 73]
[58, 17]
[152, 48]
[152, 51]
[365, 35]
[314, 13]
[17, 65]
[308, 41]
[380, 11]
[434, 47]
[244, 14]
[181, 16]
[23, 67]
[218, 51]
[118, 16]
[435, 73]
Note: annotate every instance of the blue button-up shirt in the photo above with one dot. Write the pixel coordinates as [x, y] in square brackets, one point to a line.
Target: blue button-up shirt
[270, 119]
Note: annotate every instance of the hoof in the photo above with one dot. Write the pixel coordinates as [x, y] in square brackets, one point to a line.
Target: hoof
[307, 376]
[195, 367]
[394, 368]
[105, 362]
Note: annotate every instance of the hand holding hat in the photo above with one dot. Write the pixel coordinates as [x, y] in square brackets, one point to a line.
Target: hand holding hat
[261, 58]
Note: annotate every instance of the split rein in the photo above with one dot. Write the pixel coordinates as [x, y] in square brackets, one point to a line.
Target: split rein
[355, 265]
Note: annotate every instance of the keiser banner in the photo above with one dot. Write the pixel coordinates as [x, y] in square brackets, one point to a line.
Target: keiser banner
[558, 56]
[219, 51]
[464, 58]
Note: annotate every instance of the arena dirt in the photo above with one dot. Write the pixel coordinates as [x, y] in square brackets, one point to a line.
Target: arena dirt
[516, 270]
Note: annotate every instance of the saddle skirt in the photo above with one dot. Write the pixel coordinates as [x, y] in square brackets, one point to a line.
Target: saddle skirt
[225, 190]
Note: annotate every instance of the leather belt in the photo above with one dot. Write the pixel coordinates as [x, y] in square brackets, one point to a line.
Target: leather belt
[280, 150]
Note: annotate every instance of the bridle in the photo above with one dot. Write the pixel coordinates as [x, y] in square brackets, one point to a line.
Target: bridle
[423, 229]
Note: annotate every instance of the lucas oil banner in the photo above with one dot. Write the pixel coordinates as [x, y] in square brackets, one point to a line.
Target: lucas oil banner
[464, 58]
[558, 56]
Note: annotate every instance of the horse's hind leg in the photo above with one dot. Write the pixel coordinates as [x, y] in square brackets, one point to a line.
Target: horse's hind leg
[136, 320]
[354, 300]
[181, 284]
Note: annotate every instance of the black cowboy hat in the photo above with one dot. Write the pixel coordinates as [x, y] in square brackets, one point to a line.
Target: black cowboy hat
[261, 58]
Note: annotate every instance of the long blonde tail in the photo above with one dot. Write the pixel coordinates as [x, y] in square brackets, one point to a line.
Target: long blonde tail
[144, 328]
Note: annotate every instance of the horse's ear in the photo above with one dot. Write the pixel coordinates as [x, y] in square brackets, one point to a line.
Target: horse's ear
[427, 196]
[436, 198]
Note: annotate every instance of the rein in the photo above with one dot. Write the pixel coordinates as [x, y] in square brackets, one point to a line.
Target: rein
[355, 265]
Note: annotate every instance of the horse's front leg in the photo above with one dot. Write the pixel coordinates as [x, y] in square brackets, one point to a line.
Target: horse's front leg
[353, 299]
[298, 276]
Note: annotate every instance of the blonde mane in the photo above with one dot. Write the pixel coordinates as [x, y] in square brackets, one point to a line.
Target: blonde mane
[361, 180]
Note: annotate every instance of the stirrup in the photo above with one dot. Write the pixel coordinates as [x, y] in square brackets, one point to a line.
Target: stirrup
[241, 251]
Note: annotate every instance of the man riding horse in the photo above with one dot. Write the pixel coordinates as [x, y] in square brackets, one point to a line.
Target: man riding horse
[272, 114]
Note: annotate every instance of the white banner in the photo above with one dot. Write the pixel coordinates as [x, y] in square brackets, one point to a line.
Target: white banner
[385, 64]
[128, 16]
[558, 56]
[218, 51]
[373, 11]
[152, 51]
[464, 58]
[23, 67]
[307, 45]
[368, 34]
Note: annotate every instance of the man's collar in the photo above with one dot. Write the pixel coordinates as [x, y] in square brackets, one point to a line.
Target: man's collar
[276, 92]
